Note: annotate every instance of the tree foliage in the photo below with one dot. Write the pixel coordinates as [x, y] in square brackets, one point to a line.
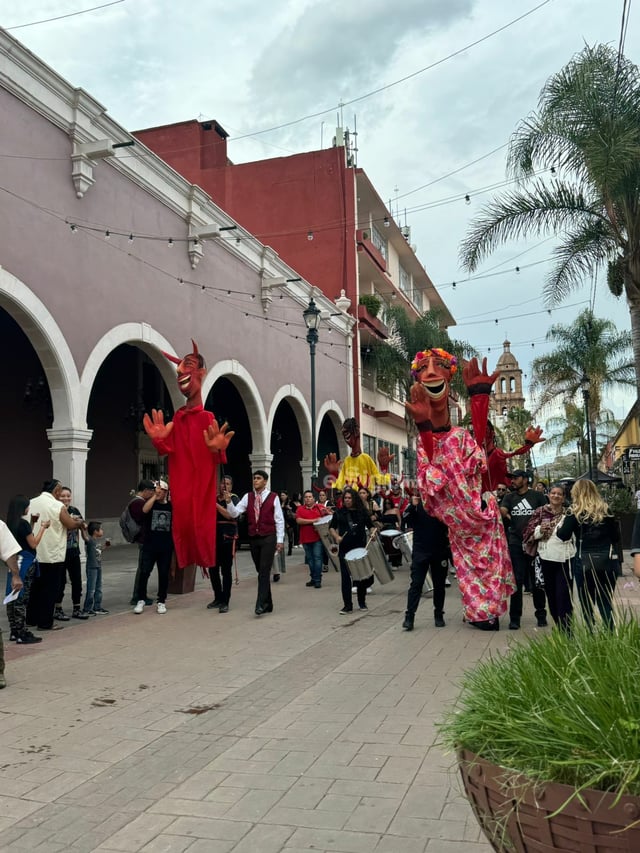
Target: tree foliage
[589, 347]
[577, 163]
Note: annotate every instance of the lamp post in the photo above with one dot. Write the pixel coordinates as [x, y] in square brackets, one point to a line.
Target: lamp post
[311, 316]
[585, 386]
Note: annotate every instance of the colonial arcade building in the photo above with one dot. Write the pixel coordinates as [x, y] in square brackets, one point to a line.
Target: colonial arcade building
[108, 258]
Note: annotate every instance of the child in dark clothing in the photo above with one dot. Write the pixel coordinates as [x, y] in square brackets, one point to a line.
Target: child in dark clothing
[93, 598]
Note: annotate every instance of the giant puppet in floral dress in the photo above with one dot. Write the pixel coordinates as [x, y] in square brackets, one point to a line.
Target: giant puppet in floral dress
[451, 466]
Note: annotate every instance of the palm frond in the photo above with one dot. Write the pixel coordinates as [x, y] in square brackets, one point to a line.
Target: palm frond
[538, 209]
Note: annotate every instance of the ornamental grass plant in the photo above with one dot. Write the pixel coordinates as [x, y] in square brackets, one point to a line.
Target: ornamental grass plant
[558, 708]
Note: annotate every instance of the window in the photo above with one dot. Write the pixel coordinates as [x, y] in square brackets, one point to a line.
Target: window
[379, 242]
[416, 298]
[405, 281]
[369, 445]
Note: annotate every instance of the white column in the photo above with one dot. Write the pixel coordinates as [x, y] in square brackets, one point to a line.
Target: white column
[305, 467]
[69, 448]
[261, 462]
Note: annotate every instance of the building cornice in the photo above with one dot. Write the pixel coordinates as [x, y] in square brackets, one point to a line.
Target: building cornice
[85, 120]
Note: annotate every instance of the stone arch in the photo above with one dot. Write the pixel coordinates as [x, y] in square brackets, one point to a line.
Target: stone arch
[46, 337]
[237, 374]
[145, 338]
[335, 414]
[296, 400]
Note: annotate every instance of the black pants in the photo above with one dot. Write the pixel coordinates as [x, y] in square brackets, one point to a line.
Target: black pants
[262, 550]
[523, 570]
[421, 561]
[135, 597]
[220, 575]
[596, 582]
[149, 558]
[557, 584]
[72, 568]
[348, 583]
[44, 593]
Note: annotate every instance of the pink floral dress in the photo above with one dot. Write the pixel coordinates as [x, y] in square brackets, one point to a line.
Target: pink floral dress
[451, 488]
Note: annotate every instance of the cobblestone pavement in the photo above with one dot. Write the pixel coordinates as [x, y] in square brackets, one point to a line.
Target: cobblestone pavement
[224, 733]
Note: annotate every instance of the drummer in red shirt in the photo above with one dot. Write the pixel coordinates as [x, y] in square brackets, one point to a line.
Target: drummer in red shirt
[306, 516]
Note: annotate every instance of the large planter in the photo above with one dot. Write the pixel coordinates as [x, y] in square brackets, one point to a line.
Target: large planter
[518, 816]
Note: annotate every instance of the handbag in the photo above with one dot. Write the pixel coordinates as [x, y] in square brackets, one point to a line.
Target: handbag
[537, 572]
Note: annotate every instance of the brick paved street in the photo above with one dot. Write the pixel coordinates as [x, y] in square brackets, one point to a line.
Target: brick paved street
[210, 733]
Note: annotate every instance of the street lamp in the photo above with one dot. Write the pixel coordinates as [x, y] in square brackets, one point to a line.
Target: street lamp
[585, 386]
[311, 316]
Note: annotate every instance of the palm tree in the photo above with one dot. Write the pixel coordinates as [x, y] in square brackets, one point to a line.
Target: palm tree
[514, 426]
[567, 431]
[591, 347]
[577, 158]
[391, 360]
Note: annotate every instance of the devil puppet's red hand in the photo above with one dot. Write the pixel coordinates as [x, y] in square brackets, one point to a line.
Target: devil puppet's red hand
[155, 426]
[332, 464]
[477, 380]
[385, 459]
[217, 438]
[533, 435]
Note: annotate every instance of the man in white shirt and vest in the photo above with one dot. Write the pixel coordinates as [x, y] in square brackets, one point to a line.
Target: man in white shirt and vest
[266, 533]
[51, 553]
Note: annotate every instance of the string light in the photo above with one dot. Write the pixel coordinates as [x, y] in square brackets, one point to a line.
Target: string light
[467, 199]
[170, 242]
[131, 238]
[107, 234]
[73, 228]
[386, 222]
[310, 235]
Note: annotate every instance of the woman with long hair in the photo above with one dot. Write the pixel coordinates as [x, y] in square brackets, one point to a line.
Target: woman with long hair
[554, 554]
[597, 535]
[391, 520]
[349, 528]
[21, 530]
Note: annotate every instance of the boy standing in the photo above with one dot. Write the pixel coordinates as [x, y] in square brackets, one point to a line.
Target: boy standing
[93, 598]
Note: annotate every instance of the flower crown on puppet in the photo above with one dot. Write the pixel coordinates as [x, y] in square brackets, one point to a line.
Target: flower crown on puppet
[434, 352]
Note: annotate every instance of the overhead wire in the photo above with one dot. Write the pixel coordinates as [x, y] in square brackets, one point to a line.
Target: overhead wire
[63, 17]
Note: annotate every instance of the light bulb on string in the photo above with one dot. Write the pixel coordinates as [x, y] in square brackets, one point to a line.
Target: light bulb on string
[73, 227]
[131, 238]
[107, 234]
[386, 222]
[467, 199]
[310, 235]
[170, 242]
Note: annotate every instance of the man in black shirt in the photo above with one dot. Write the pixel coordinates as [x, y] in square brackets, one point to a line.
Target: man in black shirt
[430, 551]
[517, 508]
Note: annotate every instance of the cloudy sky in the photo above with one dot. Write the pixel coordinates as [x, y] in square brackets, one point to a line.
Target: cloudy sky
[253, 66]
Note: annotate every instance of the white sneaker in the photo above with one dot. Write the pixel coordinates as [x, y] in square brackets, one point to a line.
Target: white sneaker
[139, 607]
[162, 607]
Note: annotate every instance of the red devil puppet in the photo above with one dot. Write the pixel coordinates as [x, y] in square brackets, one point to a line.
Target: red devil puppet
[195, 445]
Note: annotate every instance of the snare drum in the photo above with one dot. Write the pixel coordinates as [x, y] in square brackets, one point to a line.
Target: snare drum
[331, 547]
[378, 560]
[404, 544]
[360, 567]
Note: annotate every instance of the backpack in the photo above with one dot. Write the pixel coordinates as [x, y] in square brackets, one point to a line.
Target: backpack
[128, 525]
